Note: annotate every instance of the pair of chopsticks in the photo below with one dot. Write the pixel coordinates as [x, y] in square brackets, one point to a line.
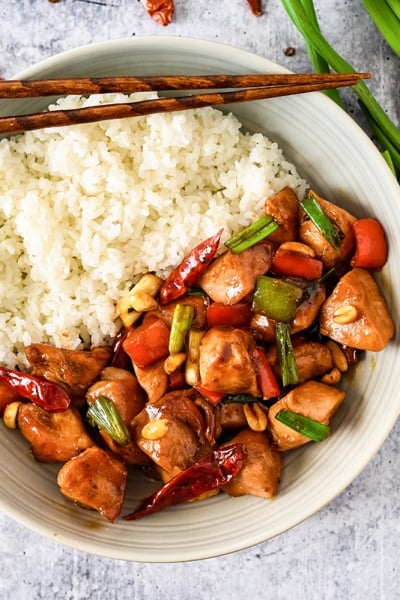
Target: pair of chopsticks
[241, 88]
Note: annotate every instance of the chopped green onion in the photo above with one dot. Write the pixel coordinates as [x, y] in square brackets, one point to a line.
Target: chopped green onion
[181, 323]
[196, 291]
[192, 368]
[322, 222]
[314, 430]
[241, 399]
[253, 233]
[104, 414]
[276, 299]
[286, 356]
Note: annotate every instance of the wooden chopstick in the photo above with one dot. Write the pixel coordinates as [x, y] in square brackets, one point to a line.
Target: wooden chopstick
[101, 85]
[58, 118]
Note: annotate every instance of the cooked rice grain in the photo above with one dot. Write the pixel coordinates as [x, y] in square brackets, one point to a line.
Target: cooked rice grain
[85, 209]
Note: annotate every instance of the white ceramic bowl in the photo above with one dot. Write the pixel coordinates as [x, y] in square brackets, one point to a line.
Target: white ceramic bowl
[333, 153]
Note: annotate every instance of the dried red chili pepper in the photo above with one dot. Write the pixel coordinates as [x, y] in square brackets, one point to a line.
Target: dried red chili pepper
[210, 472]
[38, 390]
[160, 11]
[255, 6]
[190, 269]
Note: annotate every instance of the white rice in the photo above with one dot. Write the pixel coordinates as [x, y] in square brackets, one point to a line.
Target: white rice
[85, 209]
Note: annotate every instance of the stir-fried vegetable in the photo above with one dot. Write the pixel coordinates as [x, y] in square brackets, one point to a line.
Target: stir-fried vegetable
[46, 394]
[147, 343]
[312, 429]
[286, 356]
[228, 315]
[104, 414]
[267, 381]
[294, 264]
[371, 244]
[322, 222]
[252, 234]
[190, 269]
[276, 299]
[181, 323]
[208, 473]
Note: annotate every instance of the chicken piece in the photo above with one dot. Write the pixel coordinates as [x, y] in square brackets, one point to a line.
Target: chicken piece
[311, 399]
[171, 431]
[367, 324]
[310, 235]
[231, 277]
[153, 379]
[95, 480]
[313, 359]
[7, 395]
[284, 207]
[263, 327]
[54, 436]
[225, 362]
[122, 388]
[232, 416]
[74, 370]
[166, 311]
[261, 472]
[307, 312]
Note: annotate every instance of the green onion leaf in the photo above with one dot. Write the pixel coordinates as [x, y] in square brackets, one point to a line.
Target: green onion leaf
[314, 430]
[104, 414]
[181, 323]
[286, 356]
[322, 222]
[253, 233]
[241, 399]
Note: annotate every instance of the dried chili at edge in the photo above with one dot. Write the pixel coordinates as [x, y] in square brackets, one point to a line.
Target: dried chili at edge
[161, 11]
[255, 6]
[38, 390]
[208, 473]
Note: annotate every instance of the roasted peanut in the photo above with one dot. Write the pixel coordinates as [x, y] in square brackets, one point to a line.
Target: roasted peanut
[10, 414]
[345, 314]
[332, 377]
[173, 362]
[154, 430]
[256, 417]
[298, 247]
[338, 357]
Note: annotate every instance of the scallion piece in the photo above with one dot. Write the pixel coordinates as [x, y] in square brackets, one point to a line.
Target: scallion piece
[253, 233]
[286, 356]
[241, 399]
[104, 414]
[181, 323]
[314, 430]
[322, 222]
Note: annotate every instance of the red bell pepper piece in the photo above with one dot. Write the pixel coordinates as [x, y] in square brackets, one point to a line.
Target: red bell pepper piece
[190, 269]
[228, 315]
[210, 395]
[294, 264]
[38, 390]
[208, 473]
[148, 342]
[371, 244]
[267, 381]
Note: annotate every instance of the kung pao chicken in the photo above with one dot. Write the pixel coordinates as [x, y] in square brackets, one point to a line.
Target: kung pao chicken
[232, 360]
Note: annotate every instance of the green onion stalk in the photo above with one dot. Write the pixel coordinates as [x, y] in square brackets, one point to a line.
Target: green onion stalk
[324, 56]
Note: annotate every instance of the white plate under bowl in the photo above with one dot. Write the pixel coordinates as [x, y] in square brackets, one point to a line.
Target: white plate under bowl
[340, 161]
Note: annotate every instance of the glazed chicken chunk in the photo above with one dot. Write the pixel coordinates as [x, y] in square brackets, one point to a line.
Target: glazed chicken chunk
[96, 480]
[225, 361]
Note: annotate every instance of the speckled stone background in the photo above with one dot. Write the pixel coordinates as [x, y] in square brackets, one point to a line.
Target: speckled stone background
[351, 548]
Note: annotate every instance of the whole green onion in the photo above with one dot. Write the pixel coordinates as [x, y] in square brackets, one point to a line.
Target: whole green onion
[386, 20]
[314, 430]
[253, 233]
[370, 106]
[104, 414]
